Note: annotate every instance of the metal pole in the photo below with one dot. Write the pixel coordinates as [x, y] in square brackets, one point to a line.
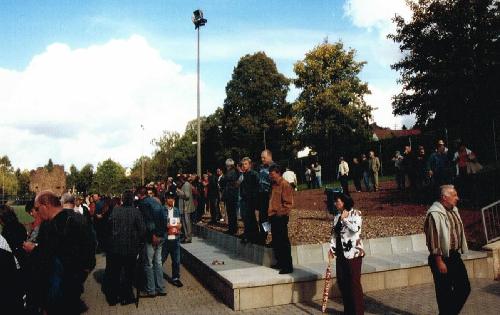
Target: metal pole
[265, 144]
[3, 183]
[495, 141]
[198, 144]
[3, 186]
[142, 156]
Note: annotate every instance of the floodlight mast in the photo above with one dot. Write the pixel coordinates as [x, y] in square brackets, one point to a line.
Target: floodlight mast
[198, 21]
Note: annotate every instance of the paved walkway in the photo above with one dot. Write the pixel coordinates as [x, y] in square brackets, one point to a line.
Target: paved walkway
[193, 299]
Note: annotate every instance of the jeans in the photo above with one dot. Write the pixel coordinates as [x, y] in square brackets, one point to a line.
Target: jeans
[153, 269]
[366, 180]
[318, 180]
[172, 247]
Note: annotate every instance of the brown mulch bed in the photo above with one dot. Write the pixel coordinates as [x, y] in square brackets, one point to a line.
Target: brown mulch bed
[386, 212]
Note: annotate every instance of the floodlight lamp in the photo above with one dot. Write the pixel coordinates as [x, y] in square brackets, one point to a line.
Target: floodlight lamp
[198, 19]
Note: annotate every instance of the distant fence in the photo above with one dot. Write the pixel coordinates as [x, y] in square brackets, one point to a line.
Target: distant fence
[491, 221]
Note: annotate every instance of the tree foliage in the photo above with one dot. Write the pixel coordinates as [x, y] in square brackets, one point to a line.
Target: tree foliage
[85, 179]
[450, 64]
[110, 178]
[256, 104]
[331, 111]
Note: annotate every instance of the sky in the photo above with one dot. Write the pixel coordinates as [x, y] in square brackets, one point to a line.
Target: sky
[79, 78]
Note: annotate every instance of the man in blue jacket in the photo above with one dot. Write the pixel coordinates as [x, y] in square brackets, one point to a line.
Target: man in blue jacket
[154, 218]
[172, 244]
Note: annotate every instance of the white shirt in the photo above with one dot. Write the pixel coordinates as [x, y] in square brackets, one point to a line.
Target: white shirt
[290, 177]
[170, 216]
[343, 168]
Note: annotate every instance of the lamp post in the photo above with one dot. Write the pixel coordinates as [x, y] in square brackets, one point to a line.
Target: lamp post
[3, 182]
[198, 21]
[142, 156]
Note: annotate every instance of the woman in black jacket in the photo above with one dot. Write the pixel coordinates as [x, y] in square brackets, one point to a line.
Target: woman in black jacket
[14, 232]
[11, 292]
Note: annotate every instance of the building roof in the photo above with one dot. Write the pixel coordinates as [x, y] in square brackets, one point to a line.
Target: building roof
[381, 133]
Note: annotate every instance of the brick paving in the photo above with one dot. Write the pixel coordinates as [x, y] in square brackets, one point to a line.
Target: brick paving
[193, 298]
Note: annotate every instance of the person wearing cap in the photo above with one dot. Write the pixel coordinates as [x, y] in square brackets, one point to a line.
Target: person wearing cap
[439, 166]
[172, 245]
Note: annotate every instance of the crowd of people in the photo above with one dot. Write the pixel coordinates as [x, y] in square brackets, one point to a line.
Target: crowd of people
[49, 263]
[420, 173]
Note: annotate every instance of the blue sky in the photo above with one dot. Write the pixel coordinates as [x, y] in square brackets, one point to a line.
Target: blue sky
[151, 46]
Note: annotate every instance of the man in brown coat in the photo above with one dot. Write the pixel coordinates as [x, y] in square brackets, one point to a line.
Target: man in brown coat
[280, 205]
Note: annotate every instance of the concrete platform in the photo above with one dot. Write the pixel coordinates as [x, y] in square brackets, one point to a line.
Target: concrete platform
[245, 280]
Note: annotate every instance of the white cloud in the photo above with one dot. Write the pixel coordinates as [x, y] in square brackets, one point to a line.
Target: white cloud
[376, 14]
[381, 100]
[85, 105]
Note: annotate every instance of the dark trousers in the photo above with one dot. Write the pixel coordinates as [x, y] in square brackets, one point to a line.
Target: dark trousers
[123, 289]
[344, 182]
[453, 287]
[213, 206]
[349, 282]
[251, 230]
[281, 243]
[231, 206]
[357, 183]
[263, 217]
[172, 247]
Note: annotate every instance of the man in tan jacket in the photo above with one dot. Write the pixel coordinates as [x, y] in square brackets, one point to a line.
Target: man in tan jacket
[280, 205]
[374, 166]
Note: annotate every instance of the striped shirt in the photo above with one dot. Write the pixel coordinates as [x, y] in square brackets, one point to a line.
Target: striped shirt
[432, 237]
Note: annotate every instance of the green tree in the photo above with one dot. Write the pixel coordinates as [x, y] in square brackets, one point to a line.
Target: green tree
[9, 183]
[255, 107]
[72, 177]
[50, 165]
[136, 171]
[85, 179]
[450, 65]
[110, 178]
[331, 112]
[162, 160]
[23, 180]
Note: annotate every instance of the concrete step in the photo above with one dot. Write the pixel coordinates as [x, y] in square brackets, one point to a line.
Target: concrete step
[245, 280]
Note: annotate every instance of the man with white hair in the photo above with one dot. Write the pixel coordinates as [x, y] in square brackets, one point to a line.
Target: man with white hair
[445, 236]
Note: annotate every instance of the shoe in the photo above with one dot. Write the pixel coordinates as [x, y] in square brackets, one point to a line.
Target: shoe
[161, 293]
[177, 283]
[127, 301]
[276, 266]
[143, 294]
[285, 271]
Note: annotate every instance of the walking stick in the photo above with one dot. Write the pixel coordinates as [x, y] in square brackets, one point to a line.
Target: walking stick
[137, 277]
[326, 290]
